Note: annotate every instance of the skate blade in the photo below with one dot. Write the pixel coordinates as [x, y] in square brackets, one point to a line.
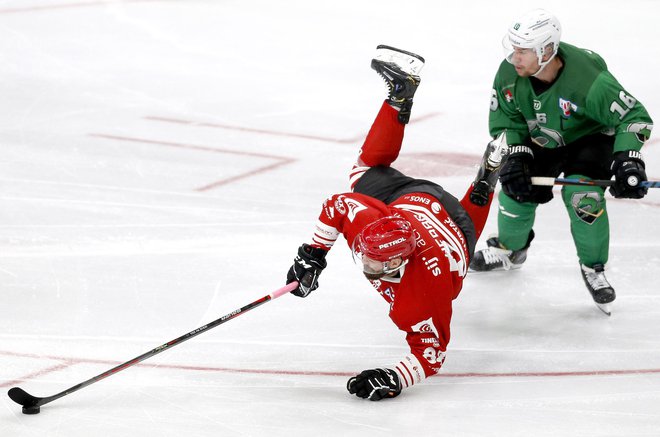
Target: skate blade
[605, 307]
[500, 149]
[497, 269]
[407, 63]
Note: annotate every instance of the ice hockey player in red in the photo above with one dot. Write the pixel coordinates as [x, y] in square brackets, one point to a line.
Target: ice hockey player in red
[413, 239]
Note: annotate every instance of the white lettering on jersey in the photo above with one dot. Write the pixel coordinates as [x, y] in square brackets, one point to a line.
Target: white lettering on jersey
[432, 265]
[454, 266]
[418, 238]
[449, 238]
[434, 356]
[419, 199]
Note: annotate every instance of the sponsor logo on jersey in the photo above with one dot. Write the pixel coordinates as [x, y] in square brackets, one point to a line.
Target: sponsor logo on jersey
[419, 199]
[508, 95]
[432, 265]
[567, 107]
[411, 363]
[425, 326]
[419, 239]
[448, 238]
[339, 205]
[520, 149]
[457, 231]
[537, 105]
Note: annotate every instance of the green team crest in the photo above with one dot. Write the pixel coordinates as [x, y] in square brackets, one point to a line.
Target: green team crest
[588, 205]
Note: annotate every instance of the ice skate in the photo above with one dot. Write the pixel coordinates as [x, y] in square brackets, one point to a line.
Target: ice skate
[498, 257]
[489, 170]
[599, 288]
[400, 70]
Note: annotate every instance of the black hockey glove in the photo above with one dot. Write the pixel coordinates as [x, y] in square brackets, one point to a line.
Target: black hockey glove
[515, 175]
[375, 384]
[629, 170]
[306, 268]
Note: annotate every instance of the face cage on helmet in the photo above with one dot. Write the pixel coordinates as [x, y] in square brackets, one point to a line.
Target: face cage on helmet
[387, 270]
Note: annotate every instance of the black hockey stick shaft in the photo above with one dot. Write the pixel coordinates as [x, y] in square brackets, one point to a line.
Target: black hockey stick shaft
[548, 181]
[28, 401]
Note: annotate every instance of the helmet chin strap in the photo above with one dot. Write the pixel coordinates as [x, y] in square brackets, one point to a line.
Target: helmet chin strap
[396, 269]
[386, 272]
[542, 64]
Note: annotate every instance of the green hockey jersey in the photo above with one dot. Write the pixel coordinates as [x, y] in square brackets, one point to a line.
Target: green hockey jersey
[584, 99]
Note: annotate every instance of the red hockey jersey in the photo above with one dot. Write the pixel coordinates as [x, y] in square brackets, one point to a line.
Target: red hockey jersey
[421, 298]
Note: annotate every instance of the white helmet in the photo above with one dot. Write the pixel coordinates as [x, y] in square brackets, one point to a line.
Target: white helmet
[538, 30]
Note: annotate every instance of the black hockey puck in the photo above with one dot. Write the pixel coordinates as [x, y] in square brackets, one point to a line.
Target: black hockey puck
[31, 410]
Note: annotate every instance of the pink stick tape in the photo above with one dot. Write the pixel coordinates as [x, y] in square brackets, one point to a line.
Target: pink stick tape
[284, 290]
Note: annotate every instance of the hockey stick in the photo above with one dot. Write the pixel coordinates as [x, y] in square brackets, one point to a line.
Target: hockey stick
[31, 404]
[547, 181]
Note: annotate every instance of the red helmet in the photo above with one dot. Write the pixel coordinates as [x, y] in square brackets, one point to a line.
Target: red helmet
[385, 239]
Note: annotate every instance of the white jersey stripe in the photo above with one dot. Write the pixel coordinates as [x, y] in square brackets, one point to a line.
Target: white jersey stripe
[321, 242]
[410, 371]
[325, 235]
[404, 376]
[355, 175]
[437, 224]
[326, 229]
[324, 238]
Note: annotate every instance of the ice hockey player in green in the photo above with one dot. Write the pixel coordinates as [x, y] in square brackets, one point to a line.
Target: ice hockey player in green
[561, 111]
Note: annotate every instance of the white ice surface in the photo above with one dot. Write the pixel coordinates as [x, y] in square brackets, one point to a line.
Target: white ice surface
[162, 160]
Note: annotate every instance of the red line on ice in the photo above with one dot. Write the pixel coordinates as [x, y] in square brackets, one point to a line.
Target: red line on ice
[41, 372]
[244, 175]
[280, 160]
[349, 140]
[186, 146]
[70, 361]
[252, 130]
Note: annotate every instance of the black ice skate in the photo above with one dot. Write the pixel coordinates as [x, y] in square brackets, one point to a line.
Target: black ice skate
[497, 257]
[489, 170]
[400, 70]
[601, 290]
